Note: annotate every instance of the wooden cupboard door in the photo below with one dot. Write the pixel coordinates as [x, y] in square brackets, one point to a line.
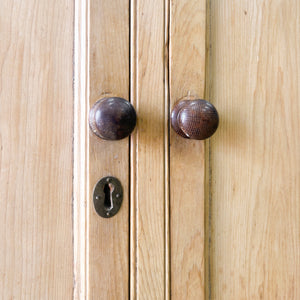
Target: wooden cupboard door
[36, 161]
[201, 220]
[254, 184]
[132, 49]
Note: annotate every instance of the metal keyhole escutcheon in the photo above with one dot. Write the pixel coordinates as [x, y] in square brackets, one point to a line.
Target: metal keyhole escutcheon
[108, 196]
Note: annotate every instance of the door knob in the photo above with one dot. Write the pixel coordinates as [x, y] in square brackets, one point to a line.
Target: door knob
[194, 119]
[112, 118]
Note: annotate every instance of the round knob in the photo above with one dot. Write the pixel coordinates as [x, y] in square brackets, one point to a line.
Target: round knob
[194, 119]
[112, 118]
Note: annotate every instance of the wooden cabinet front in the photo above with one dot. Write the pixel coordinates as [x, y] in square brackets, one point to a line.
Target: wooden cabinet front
[213, 219]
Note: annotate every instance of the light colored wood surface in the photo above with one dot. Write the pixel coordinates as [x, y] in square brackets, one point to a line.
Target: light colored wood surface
[187, 164]
[255, 179]
[148, 150]
[108, 239]
[80, 149]
[36, 119]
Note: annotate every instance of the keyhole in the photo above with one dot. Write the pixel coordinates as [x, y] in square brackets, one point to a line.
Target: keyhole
[108, 190]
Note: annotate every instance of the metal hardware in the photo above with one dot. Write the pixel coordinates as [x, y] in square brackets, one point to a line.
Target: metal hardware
[108, 196]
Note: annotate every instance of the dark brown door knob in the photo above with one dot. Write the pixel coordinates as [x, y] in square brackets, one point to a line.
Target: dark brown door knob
[112, 118]
[194, 119]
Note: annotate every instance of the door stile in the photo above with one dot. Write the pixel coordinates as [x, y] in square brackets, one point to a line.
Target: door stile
[187, 157]
[148, 150]
[108, 238]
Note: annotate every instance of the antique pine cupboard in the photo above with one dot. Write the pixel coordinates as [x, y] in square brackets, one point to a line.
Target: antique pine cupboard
[213, 219]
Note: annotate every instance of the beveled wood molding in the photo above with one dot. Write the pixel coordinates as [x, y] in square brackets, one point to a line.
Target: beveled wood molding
[81, 150]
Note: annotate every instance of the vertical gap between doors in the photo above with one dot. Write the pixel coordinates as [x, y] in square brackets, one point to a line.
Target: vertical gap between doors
[167, 153]
[208, 170]
[132, 251]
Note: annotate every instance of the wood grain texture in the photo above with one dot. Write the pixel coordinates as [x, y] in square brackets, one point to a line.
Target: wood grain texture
[255, 177]
[36, 119]
[108, 253]
[187, 164]
[80, 149]
[148, 150]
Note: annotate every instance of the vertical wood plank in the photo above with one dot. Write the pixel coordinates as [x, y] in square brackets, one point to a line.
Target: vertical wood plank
[187, 164]
[80, 149]
[255, 188]
[36, 120]
[148, 150]
[108, 253]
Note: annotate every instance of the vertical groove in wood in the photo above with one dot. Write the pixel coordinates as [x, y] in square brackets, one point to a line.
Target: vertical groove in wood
[254, 82]
[208, 170]
[207, 222]
[133, 156]
[108, 253]
[187, 157]
[167, 154]
[36, 118]
[148, 150]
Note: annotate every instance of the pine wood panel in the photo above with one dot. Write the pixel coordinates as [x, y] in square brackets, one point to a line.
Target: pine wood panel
[108, 239]
[148, 150]
[255, 184]
[36, 119]
[187, 163]
[80, 149]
